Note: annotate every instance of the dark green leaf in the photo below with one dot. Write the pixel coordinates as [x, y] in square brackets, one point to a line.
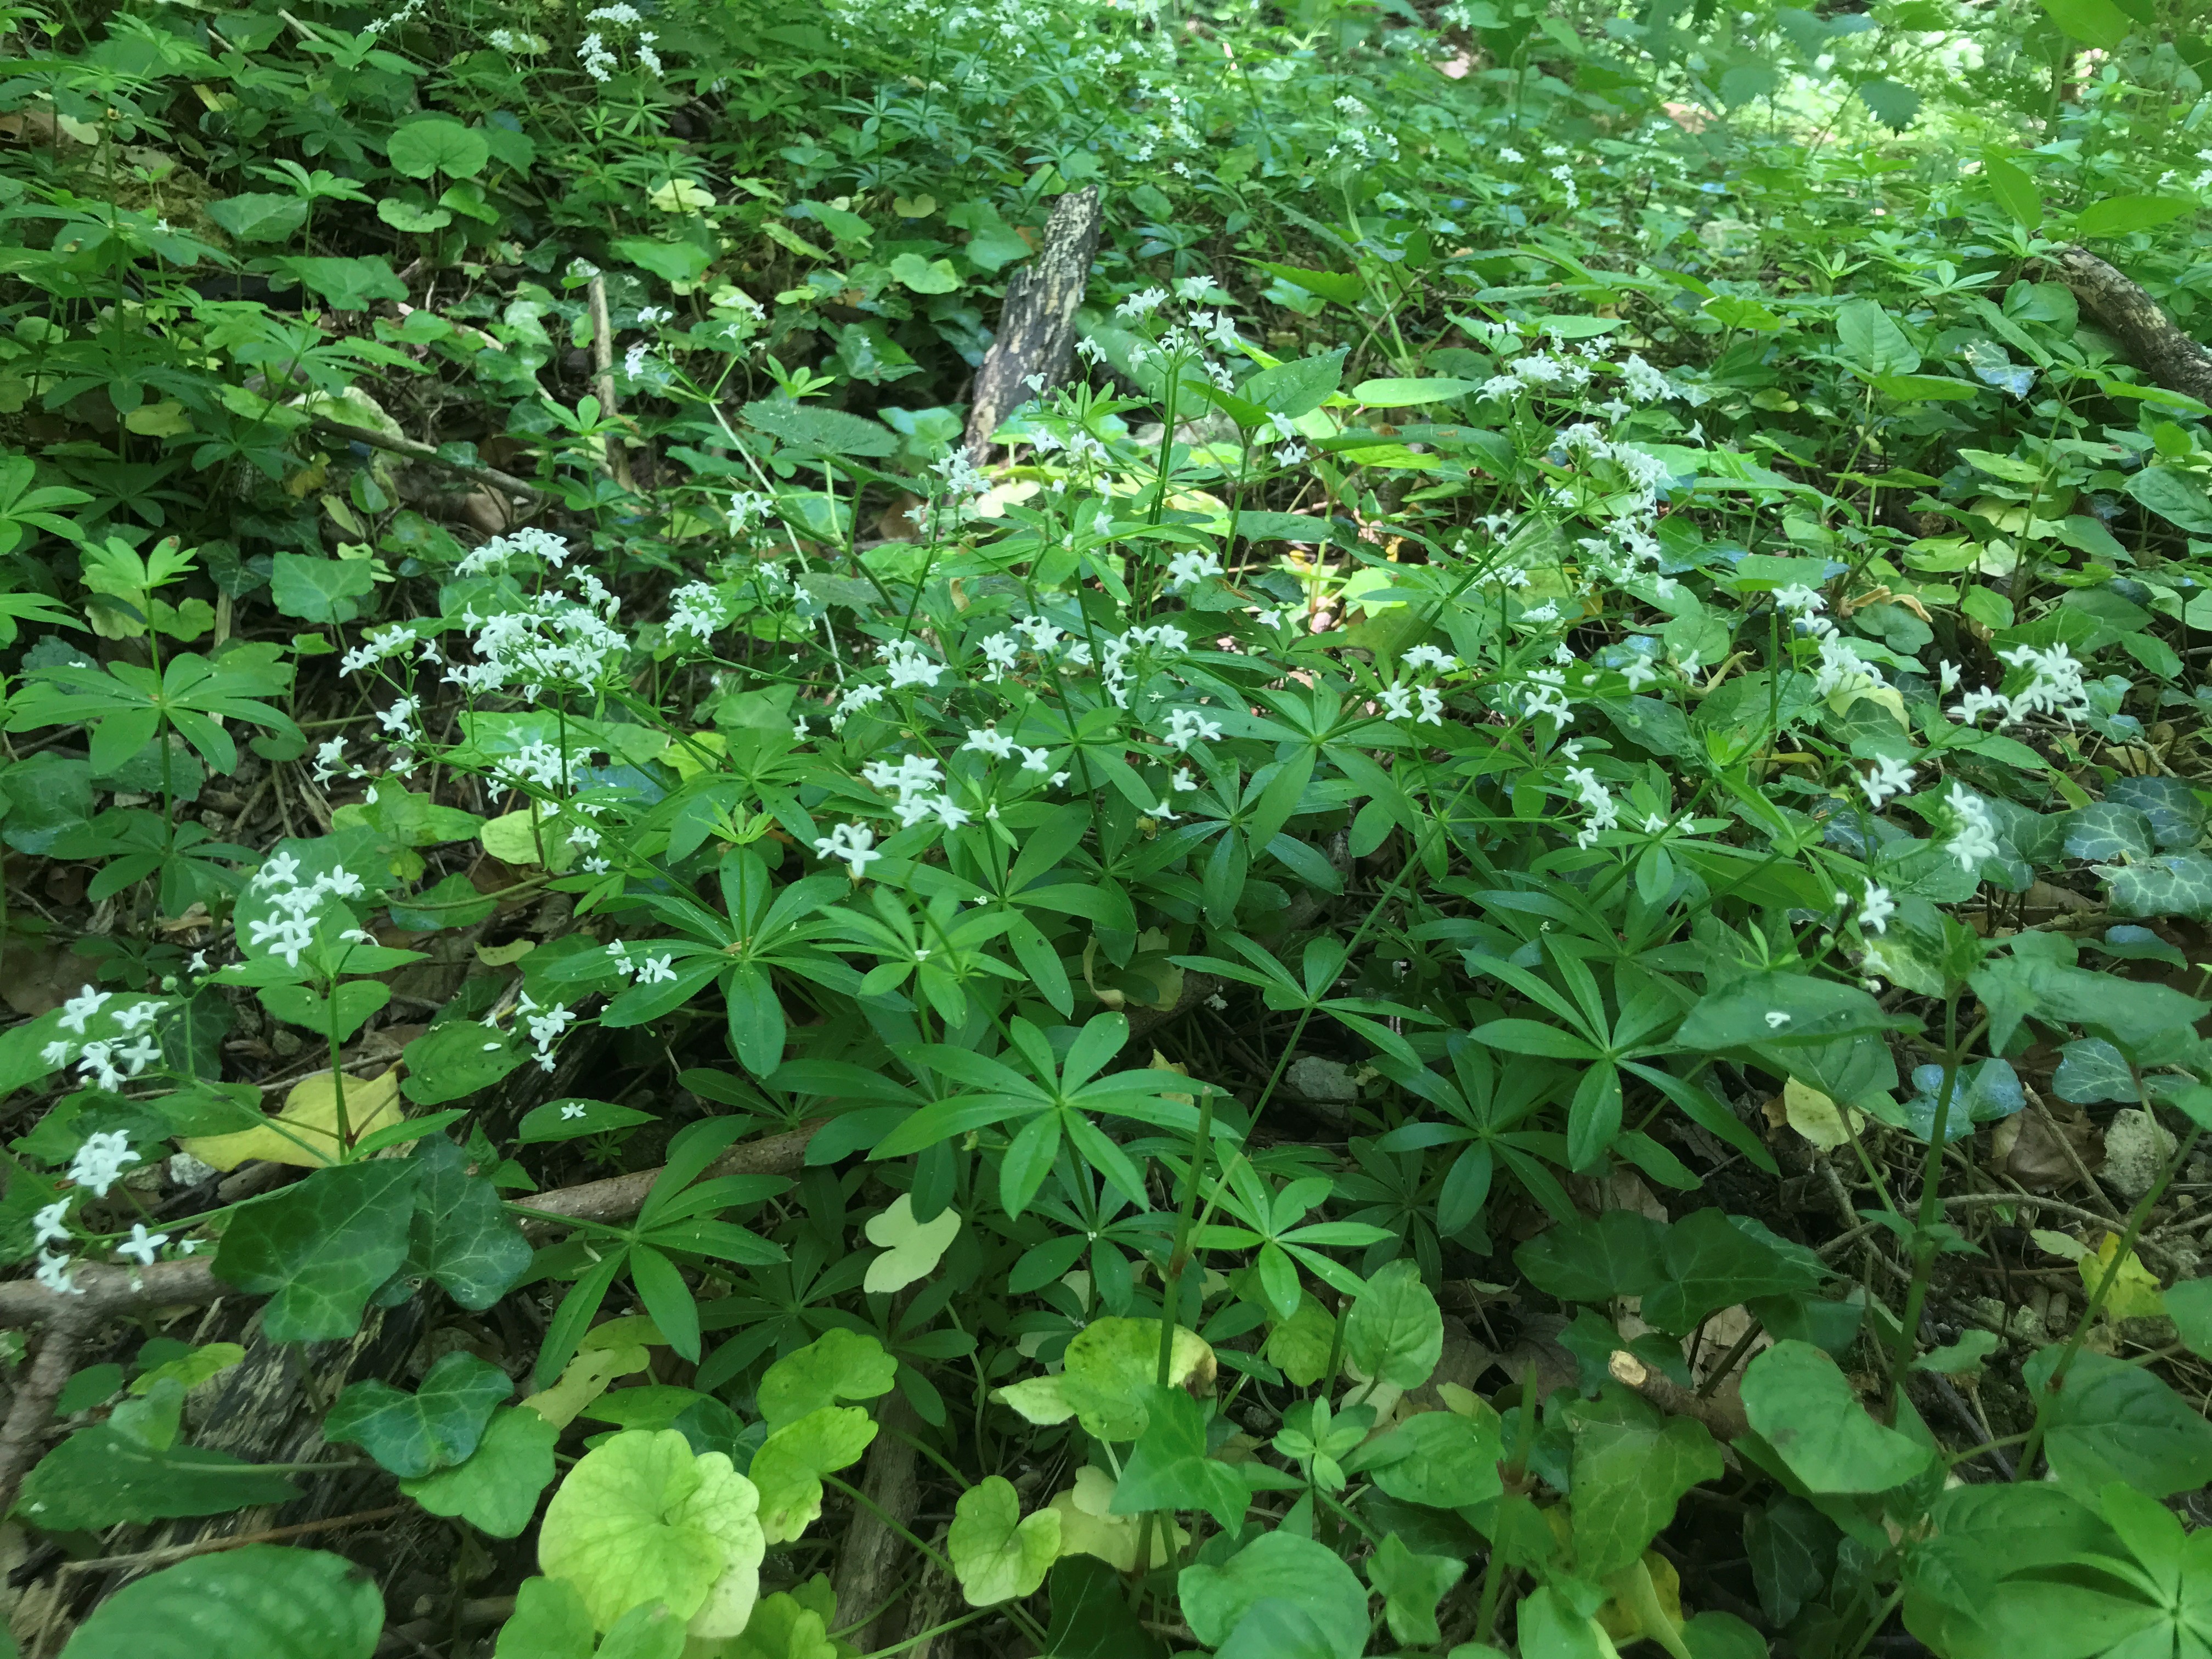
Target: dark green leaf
[437, 1425]
[320, 1248]
[259, 1602]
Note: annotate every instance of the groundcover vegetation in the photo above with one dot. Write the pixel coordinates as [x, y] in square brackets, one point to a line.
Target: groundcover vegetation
[1484, 938]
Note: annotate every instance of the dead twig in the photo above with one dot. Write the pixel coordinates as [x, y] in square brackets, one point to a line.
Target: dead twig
[429, 455]
[162, 1558]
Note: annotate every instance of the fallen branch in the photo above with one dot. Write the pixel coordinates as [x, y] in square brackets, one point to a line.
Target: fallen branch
[162, 1558]
[2124, 309]
[1721, 1412]
[34, 1405]
[429, 457]
[187, 1284]
[1037, 324]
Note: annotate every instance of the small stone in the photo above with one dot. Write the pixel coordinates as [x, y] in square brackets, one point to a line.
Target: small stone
[1323, 1079]
[2135, 1150]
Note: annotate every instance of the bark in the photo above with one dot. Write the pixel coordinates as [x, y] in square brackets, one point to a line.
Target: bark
[870, 1560]
[2121, 307]
[1036, 326]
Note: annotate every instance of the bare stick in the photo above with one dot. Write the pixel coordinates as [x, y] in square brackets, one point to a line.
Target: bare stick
[162, 1558]
[2124, 309]
[1037, 324]
[429, 457]
[34, 1408]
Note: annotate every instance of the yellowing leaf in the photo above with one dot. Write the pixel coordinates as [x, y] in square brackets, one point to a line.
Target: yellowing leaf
[1088, 1525]
[1816, 1117]
[2134, 1292]
[309, 1135]
[690, 756]
[166, 419]
[585, 1379]
[911, 1249]
[1647, 1601]
[525, 838]
[913, 207]
[681, 195]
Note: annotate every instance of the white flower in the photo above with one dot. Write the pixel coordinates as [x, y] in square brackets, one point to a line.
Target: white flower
[656, 970]
[1035, 760]
[1187, 726]
[1776, 1019]
[82, 1007]
[1874, 909]
[1638, 673]
[1432, 707]
[1188, 569]
[696, 609]
[47, 1226]
[1184, 783]
[1428, 656]
[575, 1109]
[54, 1272]
[100, 1160]
[142, 1244]
[989, 740]
[1604, 811]
[1890, 777]
[853, 843]
[1397, 702]
[1798, 600]
[1976, 837]
[908, 666]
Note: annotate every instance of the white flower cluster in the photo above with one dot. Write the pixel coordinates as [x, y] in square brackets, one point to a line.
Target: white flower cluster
[696, 609]
[1890, 777]
[1875, 908]
[528, 543]
[1841, 667]
[124, 1048]
[552, 639]
[1187, 569]
[853, 843]
[918, 782]
[1546, 694]
[1604, 811]
[2054, 687]
[292, 930]
[1187, 726]
[1975, 837]
[746, 509]
[545, 1023]
[644, 969]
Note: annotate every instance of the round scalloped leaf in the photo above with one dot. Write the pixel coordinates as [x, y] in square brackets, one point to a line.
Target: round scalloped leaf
[997, 1553]
[641, 1519]
[839, 1364]
[790, 1462]
[259, 1602]
[1278, 1567]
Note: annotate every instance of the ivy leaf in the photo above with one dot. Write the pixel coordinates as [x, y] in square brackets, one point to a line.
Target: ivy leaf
[2104, 830]
[1713, 1261]
[259, 1602]
[996, 1552]
[2171, 884]
[1616, 1253]
[1630, 1471]
[1395, 1330]
[461, 1236]
[1091, 1614]
[2091, 1071]
[839, 1364]
[495, 1489]
[641, 1519]
[1411, 1586]
[319, 1248]
[1170, 1469]
[1800, 1401]
[437, 1425]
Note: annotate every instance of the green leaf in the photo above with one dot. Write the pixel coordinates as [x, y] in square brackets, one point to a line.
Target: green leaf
[641, 1519]
[1616, 1253]
[1342, 287]
[549, 1621]
[495, 1490]
[1780, 1009]
[1107, 1372]
[1800, 1401]
[1871, 341]
[2099, 23]
[2015, 189]
[1296, 387]
[2103, 831]
[1792, 1548]
[2174, 495]
[1395, 1330]
[436, 1427]
[1411, 1586]
[320, 1248]
[673, 261]
[320, 590]
[353, 284]
[260, 217]
[1282, 1567]
[1893, 103]
[925, 275]
[2092, 1071]
[1090, 1616]
[993, 244]
[1629, 1474]
[790, 1462]
[458, 1058]
[131, 1468]
[996, 1552]
[1169, 1468]
[2189, 1305]
[911, 1249]
[569, 1118]
[2114, 1421]
[461, 1236]
[2119, 215]
[1438, 1459]
[839, 1364]
[1714, 1261]
[259, 1602]
[437, 146]
[821, 431]
[1404, 393]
